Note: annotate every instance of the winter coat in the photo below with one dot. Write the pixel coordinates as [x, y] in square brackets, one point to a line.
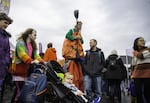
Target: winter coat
[4, 54]
[4, 48]
[94, 62]
[50, 54]
[119, 72]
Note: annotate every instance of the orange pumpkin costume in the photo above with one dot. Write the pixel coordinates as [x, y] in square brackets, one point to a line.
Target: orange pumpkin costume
[71, 47]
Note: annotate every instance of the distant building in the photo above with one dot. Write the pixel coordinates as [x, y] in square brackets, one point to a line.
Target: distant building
[127, 60]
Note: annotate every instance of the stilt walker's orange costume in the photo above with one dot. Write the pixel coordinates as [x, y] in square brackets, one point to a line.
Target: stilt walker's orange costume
[73, 50]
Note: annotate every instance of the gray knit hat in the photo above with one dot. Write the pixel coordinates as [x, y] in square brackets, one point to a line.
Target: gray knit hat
[114, 52]
[4, 16]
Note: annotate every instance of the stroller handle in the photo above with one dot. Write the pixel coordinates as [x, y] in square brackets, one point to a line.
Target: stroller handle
[39, 67]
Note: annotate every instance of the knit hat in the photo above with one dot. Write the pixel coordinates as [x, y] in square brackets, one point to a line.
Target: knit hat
[114, 52]
[4, 16]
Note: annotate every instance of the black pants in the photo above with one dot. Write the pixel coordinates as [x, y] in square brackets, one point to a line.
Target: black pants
[142, 88]
[114, 89]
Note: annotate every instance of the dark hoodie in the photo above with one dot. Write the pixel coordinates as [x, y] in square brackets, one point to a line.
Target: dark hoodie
[94, 62]
[120, 70]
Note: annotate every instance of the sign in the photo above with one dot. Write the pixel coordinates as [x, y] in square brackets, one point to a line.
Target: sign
[5, 6]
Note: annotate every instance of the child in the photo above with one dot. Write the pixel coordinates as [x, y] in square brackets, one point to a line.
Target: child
[68, 82]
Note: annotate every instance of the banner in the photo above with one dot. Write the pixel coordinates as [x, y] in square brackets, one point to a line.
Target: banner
[5, 6]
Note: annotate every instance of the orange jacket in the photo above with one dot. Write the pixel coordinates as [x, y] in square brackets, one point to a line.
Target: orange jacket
[50, 54]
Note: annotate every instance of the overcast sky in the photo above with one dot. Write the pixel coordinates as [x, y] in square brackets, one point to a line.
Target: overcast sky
[114, 23]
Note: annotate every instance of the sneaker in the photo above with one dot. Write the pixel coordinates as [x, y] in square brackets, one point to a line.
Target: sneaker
[96, 100]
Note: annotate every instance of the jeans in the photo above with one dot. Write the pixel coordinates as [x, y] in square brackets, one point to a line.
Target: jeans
[92, 85]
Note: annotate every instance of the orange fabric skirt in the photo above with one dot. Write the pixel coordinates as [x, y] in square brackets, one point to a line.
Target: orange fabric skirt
[76, 69]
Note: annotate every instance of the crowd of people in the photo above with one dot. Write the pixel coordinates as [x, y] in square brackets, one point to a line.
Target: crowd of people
[89, 75]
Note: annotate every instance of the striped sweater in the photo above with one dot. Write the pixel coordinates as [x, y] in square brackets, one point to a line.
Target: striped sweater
[142, 67]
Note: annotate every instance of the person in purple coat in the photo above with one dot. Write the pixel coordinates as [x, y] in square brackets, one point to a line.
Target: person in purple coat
[4, 49]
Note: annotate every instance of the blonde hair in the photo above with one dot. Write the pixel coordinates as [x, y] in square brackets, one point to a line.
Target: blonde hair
[67, 74]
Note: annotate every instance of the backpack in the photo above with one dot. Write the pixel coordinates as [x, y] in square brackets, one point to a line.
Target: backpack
[34, 88]
[113, 63]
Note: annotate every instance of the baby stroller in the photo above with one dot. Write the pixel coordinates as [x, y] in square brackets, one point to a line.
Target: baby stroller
[57, 92]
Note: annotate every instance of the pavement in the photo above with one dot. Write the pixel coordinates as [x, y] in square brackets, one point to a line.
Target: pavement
[8, 94]
[125, 99]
